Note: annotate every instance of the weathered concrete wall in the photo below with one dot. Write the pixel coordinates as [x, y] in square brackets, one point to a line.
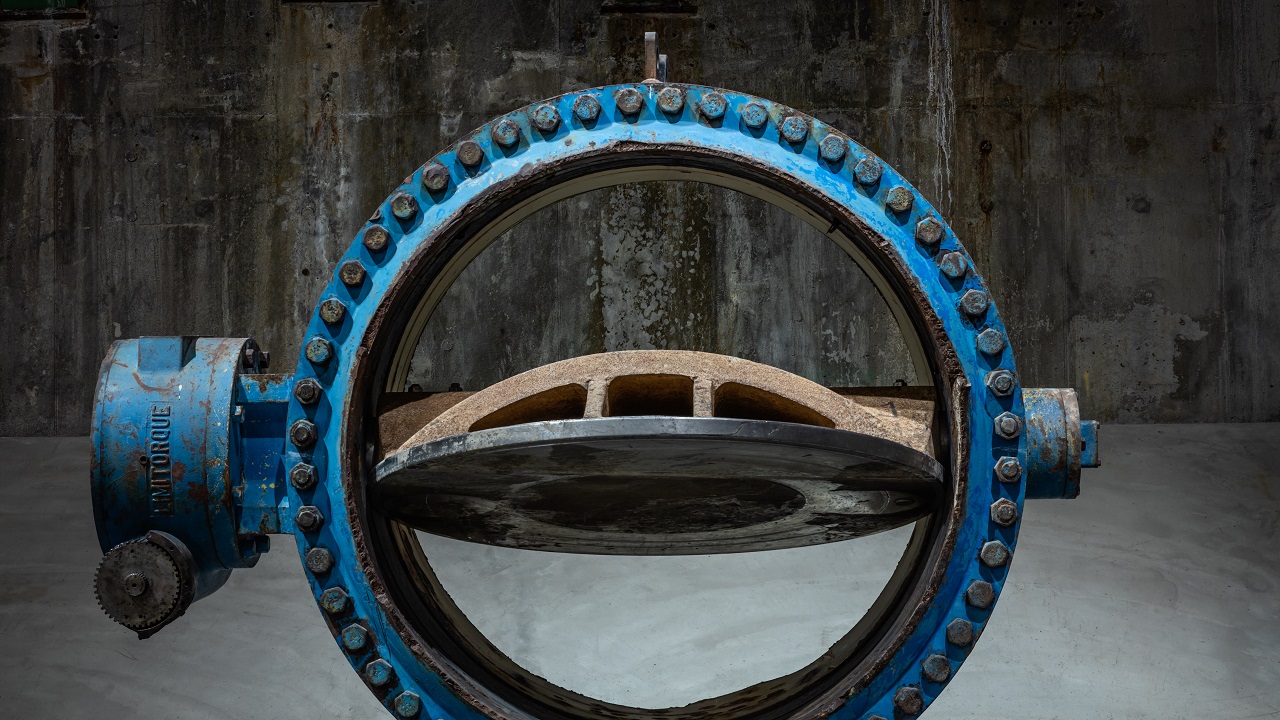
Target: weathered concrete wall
[197, 167]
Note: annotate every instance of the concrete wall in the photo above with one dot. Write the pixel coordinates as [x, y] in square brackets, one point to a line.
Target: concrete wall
[185, 167]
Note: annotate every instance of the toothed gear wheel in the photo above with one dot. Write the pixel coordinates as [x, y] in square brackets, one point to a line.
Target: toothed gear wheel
[138, 584]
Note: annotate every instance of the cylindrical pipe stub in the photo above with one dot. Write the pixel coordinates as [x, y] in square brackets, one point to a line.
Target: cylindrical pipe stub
[1059, 444]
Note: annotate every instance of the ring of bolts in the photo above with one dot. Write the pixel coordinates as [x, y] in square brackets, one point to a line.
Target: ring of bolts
[545, 118]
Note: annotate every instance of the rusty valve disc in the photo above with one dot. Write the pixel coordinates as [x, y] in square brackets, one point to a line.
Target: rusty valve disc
[657, 485]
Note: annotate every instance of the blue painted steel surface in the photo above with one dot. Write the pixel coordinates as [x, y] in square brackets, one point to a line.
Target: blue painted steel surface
[191, 386]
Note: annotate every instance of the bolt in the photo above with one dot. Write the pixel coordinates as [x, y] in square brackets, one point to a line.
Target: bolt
[980, 594]
[249, 357]
[379, 672]
[974, 303]
[332, 310]
[936, 668]
[352, 273]
[991, 342]
[307, 391]
[135, 584]
[1008, 425]
[795, 129]
[1000, 382]
[928, 231]
[407, 704]
[833, 148]
[545, 117]
[953, 265]
[404, 206]
[586, 108]
[629, 101]
[319, 561]
[868, 171]
[319, 350]
[899, 199]
[671, 100]
[303, 434]
[908, 700]
[354, 637]
[754, 116]
[303, 476]
[469, 153]
[994, 554]
[308, 518]
[335, 600]
[376, 238]
[505, 132]
[712, 105]
[1004, 512]
[960, 632]
[1008, 469]
[435, 177]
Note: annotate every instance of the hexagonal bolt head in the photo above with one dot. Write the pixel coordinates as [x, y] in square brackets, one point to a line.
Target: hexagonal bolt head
[319, 350]
[974, 303]
[307, 391]
[435, 177]
[404, 206]
[586, 108]
[319, 561]
[671, 100]
[994, 554]
[990, 342]
[1004, 512]
[376, 238]
[352, 273]
[379, 672]
[308, 518]
[1000, 382]
[795, 129]
[960, 632]
[953, 265]
[1008, 469]
[303, 476]
[332, 310]
[936, 668]
[505, 132]
[335, 601]
[908, 700]
[470, 153]
[545, 118]
[868, 171]
[354, 637]
[755, 116]
[303, 434]
[929, 231]
[629, 101]
[1007, 425]
[712, 105]
[899, 199]
[833, 148]
[980, 594]
[407, 705]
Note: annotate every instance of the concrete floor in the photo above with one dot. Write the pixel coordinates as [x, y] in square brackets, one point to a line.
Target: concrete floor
[1154, 595]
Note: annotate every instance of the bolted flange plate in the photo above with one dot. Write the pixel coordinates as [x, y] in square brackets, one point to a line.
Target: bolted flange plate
[651, 485]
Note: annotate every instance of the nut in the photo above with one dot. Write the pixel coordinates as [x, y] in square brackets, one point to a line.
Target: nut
[960, 632]
[308, 518]
[991, 342]
[319, 350]
[332, 310]
[953, 265]
[379, 672]
[1000, 382]
[754, 116]
[470, 153]
[929, 231]
[1008, 469]
[335, 601]
[319, 561]
[833, 148]
[974, 303]
[407, 704]
[354, 637]
[505, 132]
[980, 594]
[868, 171]
[629, 101]
[899, 199]
[795, 129]
[545, 117]
[303, 476]
[307, 391]
[1008, 425]
[351, 272]
[671, 100]
[908, 700]
[1004, 512]
[435, 177]
[586, 108]
[303, 434]
[376, 238]
[994, 554]
[712, 105]
[936, 668]
[404, 206]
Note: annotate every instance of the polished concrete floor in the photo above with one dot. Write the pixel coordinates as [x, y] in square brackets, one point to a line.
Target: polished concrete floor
[1156, 594]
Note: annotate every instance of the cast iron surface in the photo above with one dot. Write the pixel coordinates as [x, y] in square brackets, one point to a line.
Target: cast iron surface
[657, 485]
